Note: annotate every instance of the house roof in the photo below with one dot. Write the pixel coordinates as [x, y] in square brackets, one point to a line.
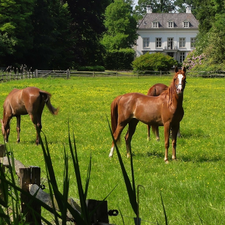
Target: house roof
[164, 18]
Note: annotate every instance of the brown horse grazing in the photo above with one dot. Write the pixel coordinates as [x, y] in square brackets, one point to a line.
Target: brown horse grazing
[163, 110]
[30, 100]
[155, 90]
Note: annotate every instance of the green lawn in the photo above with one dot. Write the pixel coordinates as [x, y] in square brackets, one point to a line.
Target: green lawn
[192, 187]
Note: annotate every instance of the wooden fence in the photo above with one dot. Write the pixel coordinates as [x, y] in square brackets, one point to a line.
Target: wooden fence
[7, 76]
[29, 181]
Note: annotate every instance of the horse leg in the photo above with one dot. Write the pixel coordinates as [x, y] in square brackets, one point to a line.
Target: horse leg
[37, 124]
[155, 130]
[131, 129]
[148, 134]
[18, 127]
[166, 135]
[175, 130]
[116, 136]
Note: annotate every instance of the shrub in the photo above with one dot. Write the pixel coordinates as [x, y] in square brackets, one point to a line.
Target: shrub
[119, 59]
[196, 62]
[91, 68]
[154, 61]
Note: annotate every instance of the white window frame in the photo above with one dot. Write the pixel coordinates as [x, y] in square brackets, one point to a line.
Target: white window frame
[158, 42]
[170, 43]
[182, 42]
[186, 24]
[182, 56]
[146, 42]
[193, 39]
[155, 24]
[170, 24]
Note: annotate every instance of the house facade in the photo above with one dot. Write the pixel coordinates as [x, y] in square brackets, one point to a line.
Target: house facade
[170, 33]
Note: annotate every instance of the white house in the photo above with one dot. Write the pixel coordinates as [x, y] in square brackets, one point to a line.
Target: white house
[170, 33]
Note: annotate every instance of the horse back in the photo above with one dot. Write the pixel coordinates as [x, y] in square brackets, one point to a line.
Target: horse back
[157, 89]
[146, 109]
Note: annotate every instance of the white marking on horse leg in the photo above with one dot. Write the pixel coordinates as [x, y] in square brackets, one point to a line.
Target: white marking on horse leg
[111, 152]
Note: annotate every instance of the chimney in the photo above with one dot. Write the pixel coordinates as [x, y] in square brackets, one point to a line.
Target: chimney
[188, 9]
[148, 9]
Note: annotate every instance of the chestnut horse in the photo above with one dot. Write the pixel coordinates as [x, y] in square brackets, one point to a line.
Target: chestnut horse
[155, 90]
[163, 110]
[30, 100]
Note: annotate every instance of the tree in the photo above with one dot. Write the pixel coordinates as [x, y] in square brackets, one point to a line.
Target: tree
[51, 36]
[15, 28]
[121, 26]
[87, 28]
[158, 6]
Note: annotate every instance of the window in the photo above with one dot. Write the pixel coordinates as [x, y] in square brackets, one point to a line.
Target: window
[170, 43]
[170, 24]
[145, 42]
[155, 24]
[193, 42]
[182, 56]
[158, 42]
[186, 24]
[182, 42]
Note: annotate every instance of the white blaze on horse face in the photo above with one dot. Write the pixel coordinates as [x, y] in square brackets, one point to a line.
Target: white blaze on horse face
[180, 77]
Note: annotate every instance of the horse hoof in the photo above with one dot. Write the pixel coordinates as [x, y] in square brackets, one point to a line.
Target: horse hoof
[166, 161]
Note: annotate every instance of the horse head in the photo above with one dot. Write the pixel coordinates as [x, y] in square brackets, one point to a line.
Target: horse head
[180, 80]
[5, 130]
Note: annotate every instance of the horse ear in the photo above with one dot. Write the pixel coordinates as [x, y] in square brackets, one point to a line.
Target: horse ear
[176, 69]
[184, 69]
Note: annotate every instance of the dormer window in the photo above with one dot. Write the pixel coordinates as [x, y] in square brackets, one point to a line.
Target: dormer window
[170, 24]
[155, 24]
[186, 24]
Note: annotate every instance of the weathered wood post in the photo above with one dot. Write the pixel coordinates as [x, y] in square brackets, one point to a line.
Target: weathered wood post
[36, 73]
[28, 176]
[68, 74]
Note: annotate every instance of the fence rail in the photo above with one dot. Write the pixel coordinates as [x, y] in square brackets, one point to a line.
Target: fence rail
[7, 76]
[29, 182]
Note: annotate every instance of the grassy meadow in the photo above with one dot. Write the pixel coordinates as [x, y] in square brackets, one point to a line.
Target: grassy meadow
[192, 188]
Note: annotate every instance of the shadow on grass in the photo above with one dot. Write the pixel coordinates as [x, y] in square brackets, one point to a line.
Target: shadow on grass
[154, 154]
[201, 159]
[194, 133]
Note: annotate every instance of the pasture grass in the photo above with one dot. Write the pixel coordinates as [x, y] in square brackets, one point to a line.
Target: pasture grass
[192, 187]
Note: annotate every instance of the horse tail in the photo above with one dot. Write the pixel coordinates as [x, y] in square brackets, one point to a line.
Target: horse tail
[47, 97]
[154, 129]
[114, 113]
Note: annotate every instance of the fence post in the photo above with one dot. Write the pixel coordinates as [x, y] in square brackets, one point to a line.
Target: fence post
[28, 176]
[68, 74]
[36, 73]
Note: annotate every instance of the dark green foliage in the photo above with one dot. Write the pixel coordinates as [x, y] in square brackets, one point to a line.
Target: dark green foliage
[121, 26]
[87, 28]
[119, 59]
[91, 68]
[15, 30]
[155, 62]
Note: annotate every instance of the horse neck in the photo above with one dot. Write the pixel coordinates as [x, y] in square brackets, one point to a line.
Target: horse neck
[175, 100]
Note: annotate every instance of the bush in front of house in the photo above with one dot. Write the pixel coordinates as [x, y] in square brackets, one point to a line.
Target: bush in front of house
[154, 62]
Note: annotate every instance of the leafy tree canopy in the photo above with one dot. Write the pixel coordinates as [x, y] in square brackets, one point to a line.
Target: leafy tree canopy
[120, 25]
